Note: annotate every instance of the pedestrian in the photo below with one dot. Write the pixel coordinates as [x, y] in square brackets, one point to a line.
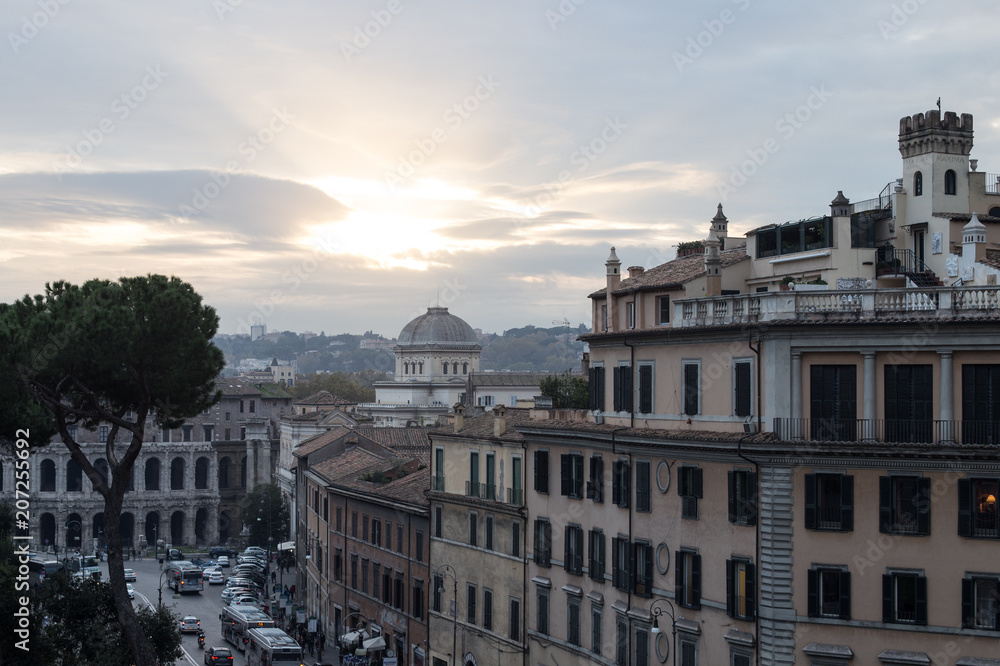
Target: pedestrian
[322, 642]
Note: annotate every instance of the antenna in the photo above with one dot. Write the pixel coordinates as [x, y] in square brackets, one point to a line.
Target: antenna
[939, 105]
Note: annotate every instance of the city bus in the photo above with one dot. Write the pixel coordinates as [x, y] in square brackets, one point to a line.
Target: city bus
[184, 576]
[272, 646]
[85, 567]
[236, 622]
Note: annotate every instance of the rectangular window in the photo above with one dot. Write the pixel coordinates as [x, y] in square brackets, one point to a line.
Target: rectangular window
[630, 314]
[354, 524]
[438, 525]
[354, 572]
[622, 388]
[473, 474]
[663, 308]
[253, 406]
[376, 532]
[645, 388]
[980, 595]
[742, 497]
[185, 431]
[595, 388]
[418, 599]
[742, 393]
[338, 519]
[689, 487]
[364, 528]
[642, 558]
[595, 486]
[489, 532]
[491, 483]
[488, 609]
[909, 403]
[620, 561]
[228, 433]
[643, 502]
[228, 416]
[687, 578]
[473, 529]
[387, 586]
[571, 466]
[543, 543]
[829, 502]
[829, 592]
[641, 638]
[516, 482]
[595, 629]
[399, 538]
[206, 432]
[241, 406]
[437, 481]
[833, 402]
[514, 620]
[364, 576]
[692, 388]
[338, 564]
[542, 472]
[620, 483]
[436, 593]
[573, 620]
[981, 404]
[419, 547]
[596, 560]
[904, 504]
[977, 508]
[689, 652]
[740, 589]
[399, 601]
[621, 641]
[515, 539]
[542, 621]
[376, 577]
[573, 559]
[904, 598]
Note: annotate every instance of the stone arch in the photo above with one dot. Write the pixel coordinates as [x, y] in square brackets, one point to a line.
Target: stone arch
[177, 473]
[47, 529]
[74, 531]
[101, 467]
[225, 523]
[153, 527]
[126, 526]
[177, 528]
[200, 523]
[152, 480]
[47, 483]
[201, 474]
[224, 472]
[74, 477]
[97, 523]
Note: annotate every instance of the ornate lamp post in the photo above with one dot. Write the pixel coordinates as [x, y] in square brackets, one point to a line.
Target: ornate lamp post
[666, 609]
[448, 571]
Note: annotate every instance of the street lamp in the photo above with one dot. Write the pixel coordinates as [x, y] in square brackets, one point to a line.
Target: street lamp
[446, 570]
[657, 610]
[159, 599]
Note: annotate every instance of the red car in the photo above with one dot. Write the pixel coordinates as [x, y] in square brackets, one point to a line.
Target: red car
[218, 655]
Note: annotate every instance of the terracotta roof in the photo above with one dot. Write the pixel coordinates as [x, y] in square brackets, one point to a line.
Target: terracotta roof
[319, 441]
[397, 439]
[674, 273]
[348, 469]
[349, 464]
[508, 378]
[324, 398]
[481, 426]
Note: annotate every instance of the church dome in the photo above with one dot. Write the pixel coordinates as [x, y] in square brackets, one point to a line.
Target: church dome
[437, 327]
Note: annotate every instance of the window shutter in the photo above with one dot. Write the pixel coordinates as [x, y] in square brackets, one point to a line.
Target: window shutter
[617, 374]
[696, 580]
[964, 507]
[885, 504]
[600, 388]
[751, 591]
[681, 485]
[751, 499]
[592, 389]
[645, 389]
[626, 388]
[566, 474]
[847, 503]
[679, 595]
[542, 471]
[615, 483]
[921, 589]
[633, 564]
[924, 513]
[886, 597]
[578, 560]
[733, 500]
[697, 490]
[598, 464]
[730, 587]
[742, 389]
[603, 558]
[968, 609]
[616, 565]
[845, 595]
[577, 476]
[810, 503]
[567, 553]
[812, 579]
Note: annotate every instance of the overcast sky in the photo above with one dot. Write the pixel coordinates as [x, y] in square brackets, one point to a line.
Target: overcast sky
[341, 165]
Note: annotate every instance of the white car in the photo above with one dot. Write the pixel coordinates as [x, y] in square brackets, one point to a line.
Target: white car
[130, 575]
[216, 578]
[223, 560]
[131, 590]
[207, 572]
[189, 623]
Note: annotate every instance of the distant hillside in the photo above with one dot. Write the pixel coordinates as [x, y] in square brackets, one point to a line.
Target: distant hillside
[532, 349]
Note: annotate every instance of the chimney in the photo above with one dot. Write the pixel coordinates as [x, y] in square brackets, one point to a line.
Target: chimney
[635, 271]
[459, 416]
[499, 421]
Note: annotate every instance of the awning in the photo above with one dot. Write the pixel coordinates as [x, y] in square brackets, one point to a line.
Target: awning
[355, 636]
[286, 545]
[374, 644]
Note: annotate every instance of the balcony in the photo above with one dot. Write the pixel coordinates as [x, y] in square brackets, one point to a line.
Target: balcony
[515, 496]
[898, 431]
[472, 489]
[437, 483]
[839, 305]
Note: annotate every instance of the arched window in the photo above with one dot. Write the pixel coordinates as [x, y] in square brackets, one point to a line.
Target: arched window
[446, 367]
[949, 182]
[918, 184]
[224, 473]
[101, 467]
[994, 212]
[153, 474]
[406, 368]
[465, 368]
[201, 474]
[421, 367]
[74, 477]
[48, 476]
[454, 368]
[177, 474]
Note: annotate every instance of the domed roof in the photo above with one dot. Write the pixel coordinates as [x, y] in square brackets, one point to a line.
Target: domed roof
[437, 327]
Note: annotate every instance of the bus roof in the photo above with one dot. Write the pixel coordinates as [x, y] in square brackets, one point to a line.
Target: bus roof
[184, 564]
[250, 614]
[273, 637]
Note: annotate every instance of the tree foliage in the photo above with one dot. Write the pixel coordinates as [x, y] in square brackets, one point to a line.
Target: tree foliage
[353, 387]
[264, 499]
[115, 353]
[566, 391]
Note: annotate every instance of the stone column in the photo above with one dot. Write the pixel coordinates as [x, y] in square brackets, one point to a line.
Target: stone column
[947, 411]
[190, 515]
[869, 407]
[796, 430]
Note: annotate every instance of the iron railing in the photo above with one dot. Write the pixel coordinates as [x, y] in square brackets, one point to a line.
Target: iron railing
[901, 431]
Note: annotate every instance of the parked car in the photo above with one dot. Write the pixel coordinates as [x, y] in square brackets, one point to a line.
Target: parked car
[216, 578]
[245, 600]
[218, 655]
[230, 592]
[131, 590]
[175, 554]
[129, 575]
[190, 624]
[215, 551]
[223, 561]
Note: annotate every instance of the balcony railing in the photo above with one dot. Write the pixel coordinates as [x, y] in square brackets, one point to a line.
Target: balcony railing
[437, 483]
[901, 431]
[869, 304]
[471, 489]
[515, 496]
